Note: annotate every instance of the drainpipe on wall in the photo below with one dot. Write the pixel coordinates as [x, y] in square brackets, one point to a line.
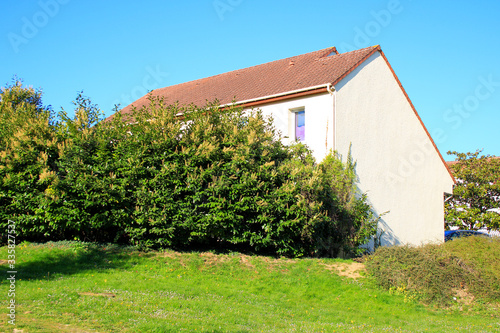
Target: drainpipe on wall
[333, 92]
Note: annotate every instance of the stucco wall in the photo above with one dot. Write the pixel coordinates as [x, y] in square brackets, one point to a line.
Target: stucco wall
[397, 165]
[319, 121]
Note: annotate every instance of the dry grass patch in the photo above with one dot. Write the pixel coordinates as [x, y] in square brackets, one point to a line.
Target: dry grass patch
[463, 296]
[211, 259]
[351, 270]
[245, 261]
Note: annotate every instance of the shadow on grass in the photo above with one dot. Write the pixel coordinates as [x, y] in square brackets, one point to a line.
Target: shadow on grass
[50, 260]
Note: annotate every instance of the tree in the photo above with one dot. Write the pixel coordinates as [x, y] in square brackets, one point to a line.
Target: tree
[27, 150]
[31, 140]
[476, 193]
[20, 107]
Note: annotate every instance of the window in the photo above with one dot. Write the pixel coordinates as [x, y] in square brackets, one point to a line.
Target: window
[300, 125]
[296, 124]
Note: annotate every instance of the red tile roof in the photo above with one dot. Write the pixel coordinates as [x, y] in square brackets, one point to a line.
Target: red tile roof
[450, 163]
[277, 77]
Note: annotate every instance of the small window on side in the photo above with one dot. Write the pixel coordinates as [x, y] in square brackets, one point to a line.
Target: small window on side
[300, 125]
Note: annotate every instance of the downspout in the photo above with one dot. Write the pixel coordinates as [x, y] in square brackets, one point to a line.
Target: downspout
[333, 93]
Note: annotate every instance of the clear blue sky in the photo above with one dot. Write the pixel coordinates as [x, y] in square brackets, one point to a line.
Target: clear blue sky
[446, 53]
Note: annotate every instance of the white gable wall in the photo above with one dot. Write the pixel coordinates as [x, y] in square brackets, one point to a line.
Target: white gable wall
[397, 165]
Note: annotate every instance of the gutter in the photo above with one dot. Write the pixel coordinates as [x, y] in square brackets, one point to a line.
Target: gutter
[280, 96]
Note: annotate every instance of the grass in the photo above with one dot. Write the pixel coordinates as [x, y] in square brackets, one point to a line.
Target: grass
[77, 287]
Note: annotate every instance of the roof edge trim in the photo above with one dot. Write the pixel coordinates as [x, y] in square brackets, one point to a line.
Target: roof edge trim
[281, 96]
[350, 70]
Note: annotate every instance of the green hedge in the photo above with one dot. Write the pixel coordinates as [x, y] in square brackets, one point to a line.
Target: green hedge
[213, 177]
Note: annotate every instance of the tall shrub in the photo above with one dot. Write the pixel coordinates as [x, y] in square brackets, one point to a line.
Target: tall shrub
[28, 146]
[212, 177]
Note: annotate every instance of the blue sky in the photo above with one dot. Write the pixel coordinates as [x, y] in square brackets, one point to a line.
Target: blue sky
[445, 53]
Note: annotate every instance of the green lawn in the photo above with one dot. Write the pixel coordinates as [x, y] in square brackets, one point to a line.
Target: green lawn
[75, 287]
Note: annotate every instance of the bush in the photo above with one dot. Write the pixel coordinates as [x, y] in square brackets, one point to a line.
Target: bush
[213, 178]
[440, 274]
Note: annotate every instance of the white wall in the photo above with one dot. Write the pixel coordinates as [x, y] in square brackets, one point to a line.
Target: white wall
[397, 165]
[319, 121]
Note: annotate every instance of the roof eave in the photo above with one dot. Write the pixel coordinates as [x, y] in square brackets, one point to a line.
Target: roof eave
[314, 90]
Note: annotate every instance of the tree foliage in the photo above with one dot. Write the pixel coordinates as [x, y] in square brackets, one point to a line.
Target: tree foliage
[20, 107]
[213, 178]
[476, 193]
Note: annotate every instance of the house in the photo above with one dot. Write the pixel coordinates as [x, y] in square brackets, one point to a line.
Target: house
[336, 101]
